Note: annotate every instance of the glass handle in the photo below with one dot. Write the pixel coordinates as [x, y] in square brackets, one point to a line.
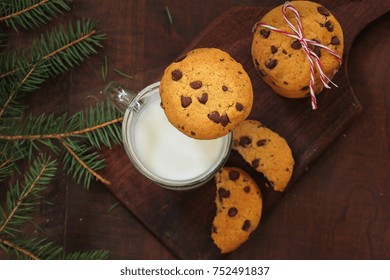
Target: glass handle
[120, 96]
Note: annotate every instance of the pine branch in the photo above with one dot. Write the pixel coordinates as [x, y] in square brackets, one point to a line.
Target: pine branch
[21, 252]
[52, 55]
[9, 155]
[82, 163]
[20, 201]
[25, 80]
[25, 71]
[65, 48]
[88, 255]
[30, 14]
[98, 124]
[37, 249]
[60, 135]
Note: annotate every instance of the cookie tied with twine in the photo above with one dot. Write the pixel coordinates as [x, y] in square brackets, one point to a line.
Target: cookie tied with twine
[297, 49]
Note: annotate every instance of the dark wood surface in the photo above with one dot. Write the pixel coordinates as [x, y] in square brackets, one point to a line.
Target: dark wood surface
[337, 209]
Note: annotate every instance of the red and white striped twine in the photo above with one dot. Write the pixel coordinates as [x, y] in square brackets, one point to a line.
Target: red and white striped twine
[314, 60]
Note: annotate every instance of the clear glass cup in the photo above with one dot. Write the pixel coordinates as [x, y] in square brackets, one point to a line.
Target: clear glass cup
[157, 149]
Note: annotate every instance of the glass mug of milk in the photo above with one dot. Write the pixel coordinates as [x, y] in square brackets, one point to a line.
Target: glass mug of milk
[157, 149]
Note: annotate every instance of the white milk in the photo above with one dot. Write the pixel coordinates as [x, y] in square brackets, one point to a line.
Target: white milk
[169, 153]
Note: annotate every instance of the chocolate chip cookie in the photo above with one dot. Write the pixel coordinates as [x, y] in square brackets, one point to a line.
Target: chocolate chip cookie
[206, 93]
[266, 151]
[281, 61]
[239, 207]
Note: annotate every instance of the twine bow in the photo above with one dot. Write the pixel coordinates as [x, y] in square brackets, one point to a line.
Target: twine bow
[313, 58]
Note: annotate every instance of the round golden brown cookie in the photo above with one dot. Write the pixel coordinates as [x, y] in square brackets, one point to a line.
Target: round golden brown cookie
[266, 151]
[206, 93]
[239, 207]
[281, 61]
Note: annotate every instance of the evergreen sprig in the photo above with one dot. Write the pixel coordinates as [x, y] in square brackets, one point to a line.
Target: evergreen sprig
[30, 14]
[64, 48]
[76, 138]
[10, 153]
[21, 200]
[82, 163]
[23, 197]
[98, 126]
[57, 52]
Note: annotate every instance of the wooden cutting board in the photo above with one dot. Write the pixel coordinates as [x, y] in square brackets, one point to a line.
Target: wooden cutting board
[182, 220]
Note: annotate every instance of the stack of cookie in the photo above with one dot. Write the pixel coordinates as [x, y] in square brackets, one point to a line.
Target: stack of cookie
[281, 60]
[238, 197]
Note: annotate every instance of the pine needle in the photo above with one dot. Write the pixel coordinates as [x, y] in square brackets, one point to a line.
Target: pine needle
[119, 72]
[105, 68]
[112, 207]
[169, 15]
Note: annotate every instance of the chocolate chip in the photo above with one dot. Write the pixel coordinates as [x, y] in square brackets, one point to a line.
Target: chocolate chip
[274, 49]
[262, 142]
[180, 58]
[317, 51]
[225, 120]
[296, 45]
[232, 212]
[305, 88]
[222, 59]
[223, 193]
[255, 163]
[271, 63]
[265, 33]
[185, 101]
[193, 133]
[257, 62]
[246, 225]
[329, 26]
[225, 88]
[233, 175]
[323, 11]
[245, 141]
[335, 40]
[247, 189]
[214, 116]
[203, 98]
[239, 107]
[284, 51]
[176, 75]
[284, 82]
[196, 84]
